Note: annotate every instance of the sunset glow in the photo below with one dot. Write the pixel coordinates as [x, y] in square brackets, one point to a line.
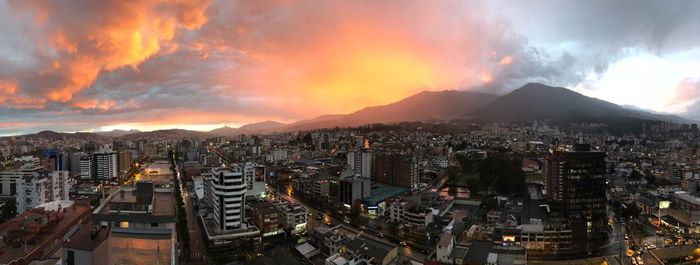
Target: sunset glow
[139, 62]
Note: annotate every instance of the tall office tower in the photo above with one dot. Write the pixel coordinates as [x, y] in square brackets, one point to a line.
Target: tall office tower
[362, 163]
[125, 160]
[53, 160]
[396, 169]
[104, 165]
[575, 182]
[225, 190]
[85, 166]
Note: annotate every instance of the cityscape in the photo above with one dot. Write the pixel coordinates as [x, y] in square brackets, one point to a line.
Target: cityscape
[349, 132]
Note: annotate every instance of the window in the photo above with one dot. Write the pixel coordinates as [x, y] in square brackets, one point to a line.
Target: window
[154, 224]
[71, 258]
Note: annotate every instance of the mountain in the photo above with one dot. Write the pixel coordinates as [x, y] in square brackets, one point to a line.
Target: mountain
[562, 106]
[166, 134]
[424, 106]
[265, 126]
[57, 136]
[260, 127]
[118, 133]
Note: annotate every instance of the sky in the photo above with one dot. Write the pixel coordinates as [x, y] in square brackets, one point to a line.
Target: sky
[84, 65]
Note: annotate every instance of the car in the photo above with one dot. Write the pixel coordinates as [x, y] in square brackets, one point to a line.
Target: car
[381, 235]
[402, 243]
[319, 217]
[346, 220]
[687, 258]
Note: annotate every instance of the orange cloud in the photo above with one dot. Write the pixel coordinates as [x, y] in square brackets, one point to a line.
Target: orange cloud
[506, 60]
[124, 33]
[95, 104]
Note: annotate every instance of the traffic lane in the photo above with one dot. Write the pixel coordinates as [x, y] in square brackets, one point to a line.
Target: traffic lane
[197, 251]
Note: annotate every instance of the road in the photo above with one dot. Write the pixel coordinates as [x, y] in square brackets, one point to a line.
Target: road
[197, 248]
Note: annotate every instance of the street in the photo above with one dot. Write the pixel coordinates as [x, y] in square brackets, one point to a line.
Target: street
[197, 248]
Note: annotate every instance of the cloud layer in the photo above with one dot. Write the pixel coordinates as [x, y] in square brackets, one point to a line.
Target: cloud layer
[79, 65]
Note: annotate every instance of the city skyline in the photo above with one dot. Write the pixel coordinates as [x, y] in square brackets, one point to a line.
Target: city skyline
[207, 64]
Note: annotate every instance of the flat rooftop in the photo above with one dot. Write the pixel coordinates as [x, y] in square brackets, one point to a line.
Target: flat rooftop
[162, 202]
[157, 172]
[83, 239]
[383, 192]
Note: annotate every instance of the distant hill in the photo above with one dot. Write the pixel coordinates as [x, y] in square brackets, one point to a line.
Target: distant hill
[56, 136]
[563, 106]
[117, 133]
[260, 127]
[424, 106]
[167, 134]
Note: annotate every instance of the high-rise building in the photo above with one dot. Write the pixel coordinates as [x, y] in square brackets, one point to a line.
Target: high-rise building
[125, 161]
[362, 163]
[85, 166]
[575, 182]
[396, 169]
[53, 160]
[105, 165]
[225, 190]
[42, 187]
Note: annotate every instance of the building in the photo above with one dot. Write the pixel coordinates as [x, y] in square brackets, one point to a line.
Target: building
[143, 209]
[685, 208]
[362, 250]
[266, 217]
[53, 160]
[38, 233]
[134, 225]
[42, 187]
[105, 165]
[396, 169]
[125, 161]
[223, 215]
[447, 252]
[85, 166]
[224, 190]
[9, 178]
[96, 245]
[352, 188]
[293, 217]
[362, 163]
[574, 182]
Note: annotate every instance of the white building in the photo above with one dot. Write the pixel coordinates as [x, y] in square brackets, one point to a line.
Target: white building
[42, 187]
[293, 217]
[362, 162]
[85, 166]
[225, 190]
[9, 178]
[105, 165]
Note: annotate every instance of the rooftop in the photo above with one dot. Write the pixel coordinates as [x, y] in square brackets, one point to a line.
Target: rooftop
[86, 238]
[37, 229]
[368, 247]
[383, 192]
[162, 201]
